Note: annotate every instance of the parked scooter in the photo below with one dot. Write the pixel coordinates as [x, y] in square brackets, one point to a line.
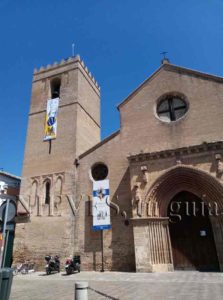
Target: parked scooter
[73, 264]
[53, 264]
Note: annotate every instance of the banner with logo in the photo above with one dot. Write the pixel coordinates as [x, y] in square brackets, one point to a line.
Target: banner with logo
[51, 119]
[101, 205]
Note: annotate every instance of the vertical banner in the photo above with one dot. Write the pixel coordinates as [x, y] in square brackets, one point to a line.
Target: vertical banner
[51, 119]
[101, 205]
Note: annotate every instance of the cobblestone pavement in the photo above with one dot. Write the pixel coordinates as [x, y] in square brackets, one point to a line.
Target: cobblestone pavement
[116, 285]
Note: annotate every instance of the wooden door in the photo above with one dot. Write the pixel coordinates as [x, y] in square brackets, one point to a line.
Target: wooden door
[191, 234]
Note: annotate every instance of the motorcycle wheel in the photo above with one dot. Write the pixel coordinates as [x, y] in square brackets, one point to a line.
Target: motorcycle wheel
[48, 271]
[68, 271]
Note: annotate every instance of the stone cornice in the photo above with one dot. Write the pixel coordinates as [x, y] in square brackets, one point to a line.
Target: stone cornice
[183, 151]
[142, 221]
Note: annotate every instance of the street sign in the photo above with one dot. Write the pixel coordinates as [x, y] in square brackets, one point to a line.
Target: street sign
[11, 210]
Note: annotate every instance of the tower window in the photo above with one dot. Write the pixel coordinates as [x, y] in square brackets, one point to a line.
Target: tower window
[47, 192]
[171, 108]
[55, 88]
[99, 171]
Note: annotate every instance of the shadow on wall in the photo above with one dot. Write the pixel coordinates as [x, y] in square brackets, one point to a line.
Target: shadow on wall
[92, 239]
[122, 244]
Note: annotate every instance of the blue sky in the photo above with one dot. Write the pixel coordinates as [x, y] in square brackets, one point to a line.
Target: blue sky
[120, 42]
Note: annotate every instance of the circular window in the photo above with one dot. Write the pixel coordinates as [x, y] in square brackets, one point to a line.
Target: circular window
[99, 171]
[171, 108]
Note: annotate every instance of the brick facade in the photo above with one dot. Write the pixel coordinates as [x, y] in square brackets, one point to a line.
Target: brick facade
[149, 162]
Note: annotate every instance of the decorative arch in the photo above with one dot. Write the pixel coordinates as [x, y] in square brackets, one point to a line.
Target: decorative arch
[180, 178]
[59, 186]
[55, 85]
[34, 191]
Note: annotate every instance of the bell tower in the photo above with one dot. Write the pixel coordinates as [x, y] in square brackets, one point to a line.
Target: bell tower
[64, 122]
[78, 118]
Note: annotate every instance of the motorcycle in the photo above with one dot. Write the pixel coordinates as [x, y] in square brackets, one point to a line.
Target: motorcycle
[53, 264]
[72, 265]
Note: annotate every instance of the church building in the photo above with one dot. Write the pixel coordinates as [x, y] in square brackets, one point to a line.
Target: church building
[164, 168]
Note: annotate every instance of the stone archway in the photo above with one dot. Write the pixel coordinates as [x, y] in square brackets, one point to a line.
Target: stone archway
[180, 178]
[155, 227]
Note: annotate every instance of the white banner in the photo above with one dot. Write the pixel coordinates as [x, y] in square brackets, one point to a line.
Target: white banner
[101, 205]
[51, 119]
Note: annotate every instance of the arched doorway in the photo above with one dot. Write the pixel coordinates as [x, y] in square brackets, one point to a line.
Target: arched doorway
[193, 245]
[200, 187]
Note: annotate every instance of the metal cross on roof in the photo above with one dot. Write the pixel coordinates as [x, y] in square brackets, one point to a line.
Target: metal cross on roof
[164, 54]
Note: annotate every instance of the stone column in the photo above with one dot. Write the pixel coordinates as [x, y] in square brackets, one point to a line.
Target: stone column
[153, 252]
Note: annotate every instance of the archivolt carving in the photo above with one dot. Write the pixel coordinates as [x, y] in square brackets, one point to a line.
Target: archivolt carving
[180, 178]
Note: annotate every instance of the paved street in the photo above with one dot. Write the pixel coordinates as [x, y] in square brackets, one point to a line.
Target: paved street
[116, 285]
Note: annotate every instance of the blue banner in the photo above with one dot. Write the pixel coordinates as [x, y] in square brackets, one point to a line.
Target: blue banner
[101, 205]
[101, 227]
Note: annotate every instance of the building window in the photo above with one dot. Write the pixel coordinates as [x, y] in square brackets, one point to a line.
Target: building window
[55, 88]
[171, 108]
[47, 192]
[99, 171]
